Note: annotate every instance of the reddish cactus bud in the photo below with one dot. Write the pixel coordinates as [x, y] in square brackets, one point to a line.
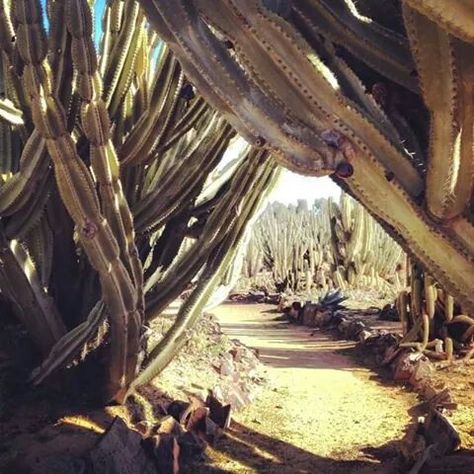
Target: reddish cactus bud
[89, 229]
[344, 170]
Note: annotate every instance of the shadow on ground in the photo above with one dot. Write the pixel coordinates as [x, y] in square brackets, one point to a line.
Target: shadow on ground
[244, 450]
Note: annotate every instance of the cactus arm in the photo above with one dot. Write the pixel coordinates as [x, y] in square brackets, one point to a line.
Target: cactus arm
[7, 33]
[128, 68]
[40, 246]
[9, 113]
[456, 16]
[387, 14]
[351, 86]
[449, 264]
[120, 50]
[447, 81]
[59, 43]
[96, 126]
[187, 121]
[195, 74]
[143, 135]
[314, 81]
[255, 57]
[33, 167]
[35, 309]
[184, 269]
[106, 39]
[151, 212]
[12, 83]
[198, 48]
[29, 214]
[69, 345]
[382, 49]
[215, 269]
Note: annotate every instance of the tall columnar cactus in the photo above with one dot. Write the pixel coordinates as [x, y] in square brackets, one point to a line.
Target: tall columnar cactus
[105, 155]
[379, 97]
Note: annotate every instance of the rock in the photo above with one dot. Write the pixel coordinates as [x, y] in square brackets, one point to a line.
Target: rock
[336, 319]
[388, 313]
[390, 353]
[144, 428]
[442, 399]
[166, 451]
[191, 447]
[219, 413]
[196, 421]
[453, 464]
[237, 353]
[179, 410]
[213, 431]
[309, 314]
[60, 464]
[364, 335]
[343, 327]
[237, 398]
[169, 425]
[216, 393]
[296, 311]
[355, 328]
[422, 372]
[227, 368]
[323, 318]
[439, 431]
[413, 444]
[404, 365]
[120, 451]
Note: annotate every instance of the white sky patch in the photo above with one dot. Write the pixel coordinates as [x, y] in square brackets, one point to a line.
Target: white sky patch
[293, 187]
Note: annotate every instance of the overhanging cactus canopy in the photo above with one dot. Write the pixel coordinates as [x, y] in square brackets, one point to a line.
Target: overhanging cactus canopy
[379, 94]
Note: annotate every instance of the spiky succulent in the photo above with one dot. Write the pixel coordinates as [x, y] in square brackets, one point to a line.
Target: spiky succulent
[377, 94]
[106, 158]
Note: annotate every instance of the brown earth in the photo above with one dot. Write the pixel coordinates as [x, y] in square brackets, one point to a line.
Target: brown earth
[320, 411]
[323, 412]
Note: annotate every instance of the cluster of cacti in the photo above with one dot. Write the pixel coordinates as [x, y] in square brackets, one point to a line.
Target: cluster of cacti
[432, 321]
[377, 94]
[362, 253]
[109, 201]
[328, 246]
[105, 153]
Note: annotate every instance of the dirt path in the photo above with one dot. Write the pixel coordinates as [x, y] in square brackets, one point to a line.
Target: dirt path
[322, 413]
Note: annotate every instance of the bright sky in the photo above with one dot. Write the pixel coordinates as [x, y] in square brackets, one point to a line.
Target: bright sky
[293, 186]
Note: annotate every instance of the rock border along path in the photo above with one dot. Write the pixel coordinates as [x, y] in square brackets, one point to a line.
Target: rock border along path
[322, 411]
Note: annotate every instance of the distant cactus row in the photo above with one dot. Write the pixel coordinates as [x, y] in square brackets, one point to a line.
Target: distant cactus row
[328, 246]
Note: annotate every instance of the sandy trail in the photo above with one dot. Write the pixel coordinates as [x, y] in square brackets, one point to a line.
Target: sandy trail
[322, 412]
